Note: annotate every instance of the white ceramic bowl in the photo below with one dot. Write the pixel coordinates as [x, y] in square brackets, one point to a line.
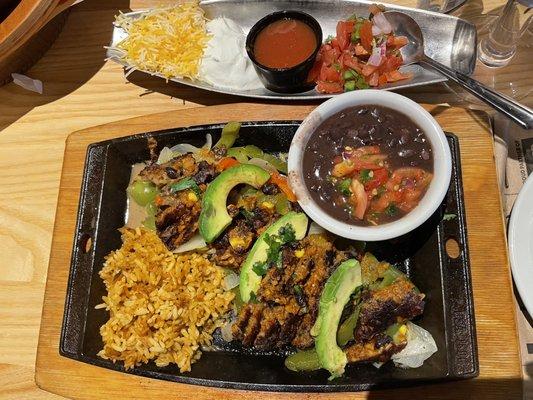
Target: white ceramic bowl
[442, 165]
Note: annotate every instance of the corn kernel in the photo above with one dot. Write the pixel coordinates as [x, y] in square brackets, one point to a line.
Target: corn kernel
[192, 196]
[267, 204]
[236, 242]
[403, 329]
[299, 253]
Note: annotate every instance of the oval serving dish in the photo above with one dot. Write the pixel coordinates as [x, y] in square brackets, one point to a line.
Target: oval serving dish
[450, 40]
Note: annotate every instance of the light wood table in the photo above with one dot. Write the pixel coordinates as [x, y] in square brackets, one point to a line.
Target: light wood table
[80, 90]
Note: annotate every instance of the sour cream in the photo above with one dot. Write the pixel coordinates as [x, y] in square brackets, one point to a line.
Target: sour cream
[225, 63]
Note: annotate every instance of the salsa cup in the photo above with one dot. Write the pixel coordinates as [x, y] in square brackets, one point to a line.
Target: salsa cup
[290, 79]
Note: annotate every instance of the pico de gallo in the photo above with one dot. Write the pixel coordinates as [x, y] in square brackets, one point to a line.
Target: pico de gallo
[364, 53]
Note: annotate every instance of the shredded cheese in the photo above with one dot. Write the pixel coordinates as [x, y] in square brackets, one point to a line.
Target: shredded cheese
[167, 41]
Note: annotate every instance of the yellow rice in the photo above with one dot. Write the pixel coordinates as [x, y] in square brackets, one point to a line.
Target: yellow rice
[163, 306]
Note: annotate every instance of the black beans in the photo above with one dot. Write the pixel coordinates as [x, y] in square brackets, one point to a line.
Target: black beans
[171, 173]
[401, 144]
[406, 153]
[270, 189]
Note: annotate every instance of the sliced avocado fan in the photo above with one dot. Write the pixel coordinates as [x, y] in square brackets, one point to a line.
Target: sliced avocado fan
[214, 217]
[336, 294]
[249, 280]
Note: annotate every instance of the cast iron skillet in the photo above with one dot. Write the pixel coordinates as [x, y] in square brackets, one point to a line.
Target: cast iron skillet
[449, 314]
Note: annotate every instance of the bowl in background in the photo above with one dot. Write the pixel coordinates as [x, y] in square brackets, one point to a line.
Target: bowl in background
[442, 165]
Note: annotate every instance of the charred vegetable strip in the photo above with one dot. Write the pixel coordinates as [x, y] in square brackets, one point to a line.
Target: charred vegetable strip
[230, 133]
[304, 360]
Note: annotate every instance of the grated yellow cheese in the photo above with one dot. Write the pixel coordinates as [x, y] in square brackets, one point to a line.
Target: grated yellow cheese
[168, 41]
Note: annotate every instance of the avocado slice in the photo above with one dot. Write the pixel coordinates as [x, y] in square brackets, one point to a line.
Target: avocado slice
[214, 217]
[249, 280]
[336, 294]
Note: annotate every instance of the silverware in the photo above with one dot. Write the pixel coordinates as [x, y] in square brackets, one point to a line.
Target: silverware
[413, 53]
[441, 32]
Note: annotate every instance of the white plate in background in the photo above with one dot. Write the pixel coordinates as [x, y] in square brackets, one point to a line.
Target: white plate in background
[521, 244]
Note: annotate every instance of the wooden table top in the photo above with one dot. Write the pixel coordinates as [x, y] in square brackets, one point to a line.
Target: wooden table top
[80, 90]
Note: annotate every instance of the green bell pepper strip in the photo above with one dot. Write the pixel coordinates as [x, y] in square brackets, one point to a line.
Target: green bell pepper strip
[230, 133]
[242, 154]
[303, 360]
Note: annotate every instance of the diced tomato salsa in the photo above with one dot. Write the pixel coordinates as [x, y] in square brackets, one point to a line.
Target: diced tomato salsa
[364, 53]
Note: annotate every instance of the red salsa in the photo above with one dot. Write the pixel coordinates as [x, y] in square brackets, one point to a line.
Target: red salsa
[284, 44]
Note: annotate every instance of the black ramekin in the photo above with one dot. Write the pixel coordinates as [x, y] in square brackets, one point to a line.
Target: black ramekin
[285, 80]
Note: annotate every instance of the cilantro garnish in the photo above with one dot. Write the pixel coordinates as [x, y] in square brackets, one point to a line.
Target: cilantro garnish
[391, 210]
[365, 176]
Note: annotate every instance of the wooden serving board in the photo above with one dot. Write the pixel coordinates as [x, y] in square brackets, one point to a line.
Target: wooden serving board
[500, 372]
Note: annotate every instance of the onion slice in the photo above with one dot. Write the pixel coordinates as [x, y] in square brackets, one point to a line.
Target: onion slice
[196, 242]
[315, 229]
[184, 148]
[420, 346]
[263, 164]
[231, 280]
[380, 25]
[375, 58]
[165, 156]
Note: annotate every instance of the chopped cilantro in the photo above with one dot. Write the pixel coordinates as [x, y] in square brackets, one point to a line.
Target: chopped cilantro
[449, 217]
[287, 234]
[274, 258]
[260, 268]
[253, 297]
[391, 210]
[297, 290]
[344, 187]
[365, 176]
